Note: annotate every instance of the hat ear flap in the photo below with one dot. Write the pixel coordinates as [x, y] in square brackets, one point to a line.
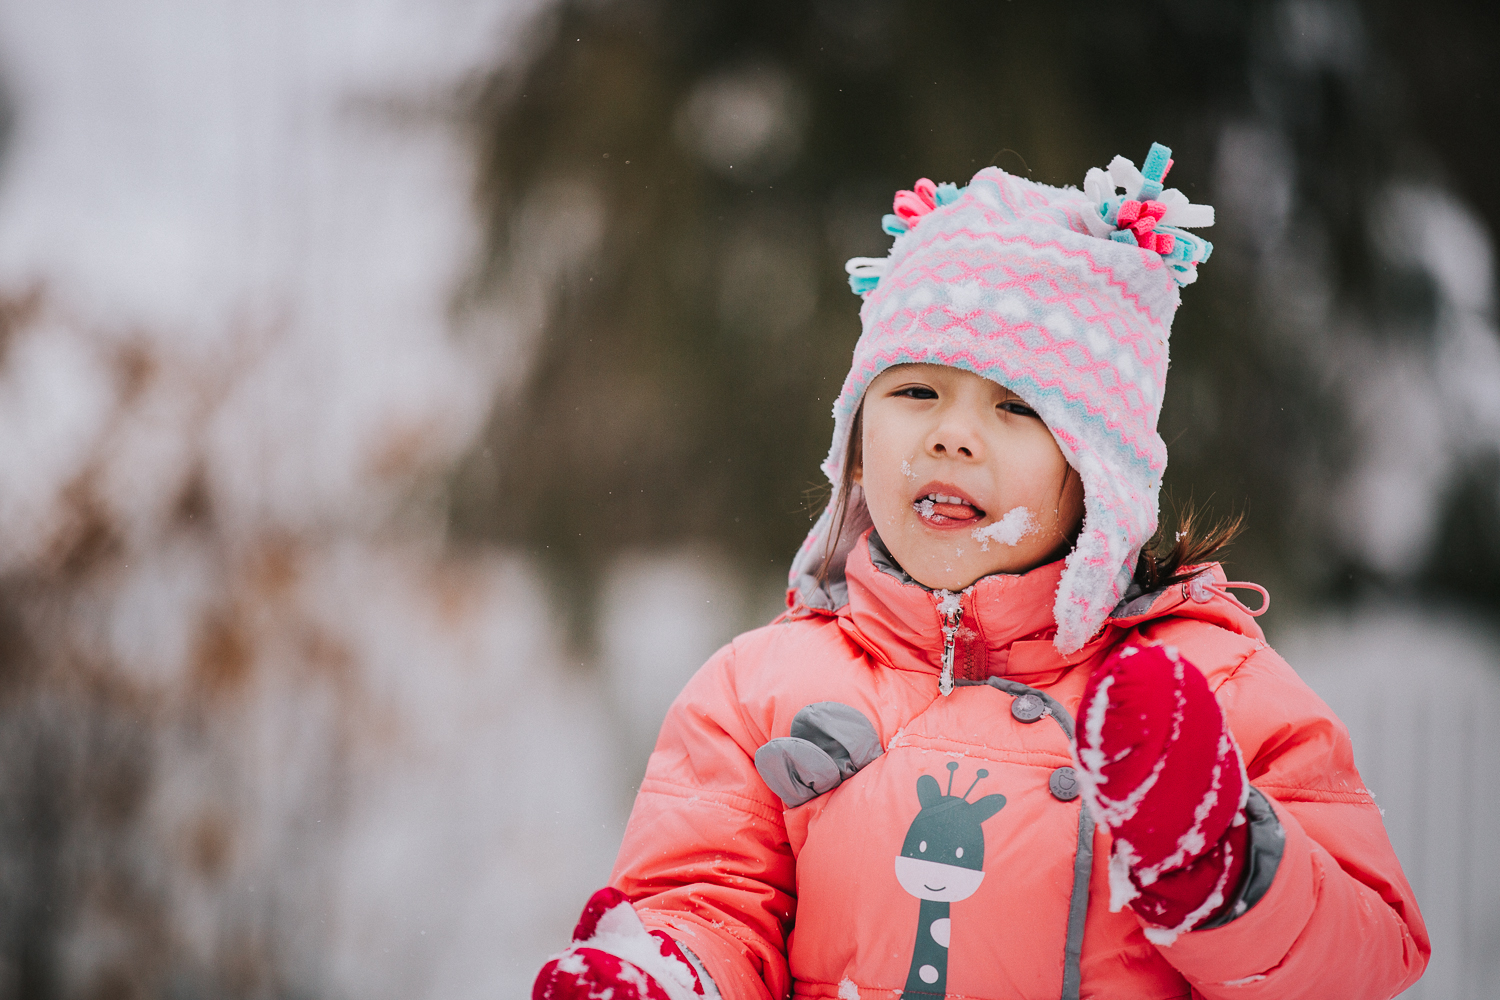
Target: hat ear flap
[1099, 569]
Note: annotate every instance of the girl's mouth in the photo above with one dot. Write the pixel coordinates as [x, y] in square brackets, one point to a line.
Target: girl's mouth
[945, 509]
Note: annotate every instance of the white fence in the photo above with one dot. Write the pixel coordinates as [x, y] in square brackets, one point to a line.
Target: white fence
[1420, 693]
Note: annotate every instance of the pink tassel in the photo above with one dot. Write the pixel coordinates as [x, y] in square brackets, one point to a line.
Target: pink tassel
[909, 206]
[927, 191]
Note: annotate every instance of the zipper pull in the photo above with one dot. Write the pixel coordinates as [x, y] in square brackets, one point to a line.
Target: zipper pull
[950, 639]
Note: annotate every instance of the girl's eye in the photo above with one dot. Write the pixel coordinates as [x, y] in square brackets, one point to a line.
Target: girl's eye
[1017, 407]
[917, 392]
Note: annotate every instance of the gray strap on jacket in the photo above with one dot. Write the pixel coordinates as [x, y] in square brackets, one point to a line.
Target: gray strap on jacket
[1083, 857]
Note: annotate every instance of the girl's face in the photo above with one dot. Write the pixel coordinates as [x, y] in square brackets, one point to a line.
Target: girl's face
[962, 478]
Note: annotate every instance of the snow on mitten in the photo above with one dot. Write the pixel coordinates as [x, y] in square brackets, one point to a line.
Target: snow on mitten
[613, 957]
[1158, 766]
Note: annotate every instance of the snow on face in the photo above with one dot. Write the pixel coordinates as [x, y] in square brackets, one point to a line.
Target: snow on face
[948, 455]
[1009, 530]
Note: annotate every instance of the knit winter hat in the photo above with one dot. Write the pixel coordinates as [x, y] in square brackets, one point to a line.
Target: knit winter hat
[1064, 296]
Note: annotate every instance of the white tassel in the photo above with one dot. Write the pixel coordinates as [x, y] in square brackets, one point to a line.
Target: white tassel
[1125, 175]
[1097, 186]
[1182, 214]
[873, 266]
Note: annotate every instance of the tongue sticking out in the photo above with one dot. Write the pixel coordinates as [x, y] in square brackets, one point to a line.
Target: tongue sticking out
[955, 511]
[931, 510]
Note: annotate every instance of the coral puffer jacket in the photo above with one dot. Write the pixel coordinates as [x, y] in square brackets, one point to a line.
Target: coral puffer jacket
[832, 896]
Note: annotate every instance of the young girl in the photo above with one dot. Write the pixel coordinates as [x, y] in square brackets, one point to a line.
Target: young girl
[994, 749]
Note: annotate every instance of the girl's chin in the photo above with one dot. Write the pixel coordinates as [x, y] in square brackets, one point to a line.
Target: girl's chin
[938, 559]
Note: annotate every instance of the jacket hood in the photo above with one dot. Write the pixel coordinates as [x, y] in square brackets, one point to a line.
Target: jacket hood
[1006, 626]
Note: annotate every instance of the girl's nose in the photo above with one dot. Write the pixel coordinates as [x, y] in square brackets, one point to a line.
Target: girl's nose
[956, 435]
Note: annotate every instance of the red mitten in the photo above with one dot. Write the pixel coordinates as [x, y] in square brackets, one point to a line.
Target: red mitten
[1159, 767]
[613, 957]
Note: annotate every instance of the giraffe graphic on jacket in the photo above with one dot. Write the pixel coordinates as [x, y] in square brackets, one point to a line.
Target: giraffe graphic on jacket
[941, 862]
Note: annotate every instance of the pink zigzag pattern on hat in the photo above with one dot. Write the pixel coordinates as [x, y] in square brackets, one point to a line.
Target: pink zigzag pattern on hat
[1084, 308]
[939, 318]
[1113, 336]
[1063, 212]
[1083, 304]
[1126, 391]
[1150, 260]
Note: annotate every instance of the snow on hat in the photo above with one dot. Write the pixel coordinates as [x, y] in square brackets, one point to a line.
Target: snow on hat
[1064, 296]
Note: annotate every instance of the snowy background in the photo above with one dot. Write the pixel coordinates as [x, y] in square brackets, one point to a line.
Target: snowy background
[399, 400]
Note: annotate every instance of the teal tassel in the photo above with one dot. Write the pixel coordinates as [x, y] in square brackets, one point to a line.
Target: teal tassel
[863, 284]
[1155, 167]
[1123, 236]
[893, 224]
[1155, 171]
[947, 194]
[1189, 249]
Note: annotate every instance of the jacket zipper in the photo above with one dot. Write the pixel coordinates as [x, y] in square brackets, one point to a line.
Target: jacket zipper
[950, 639]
